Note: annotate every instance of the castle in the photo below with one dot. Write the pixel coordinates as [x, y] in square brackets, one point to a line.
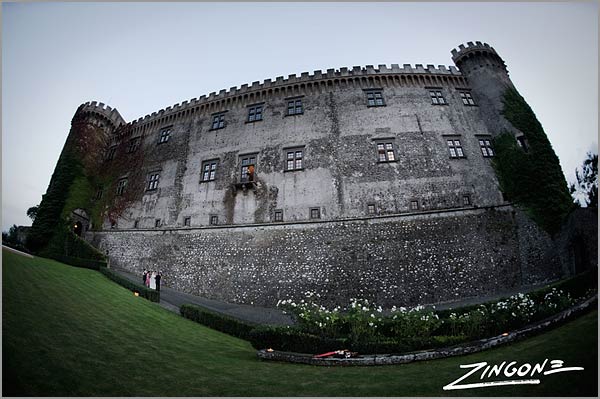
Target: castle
[364, 182]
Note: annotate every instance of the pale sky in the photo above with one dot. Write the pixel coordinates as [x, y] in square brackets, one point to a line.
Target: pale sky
[142, 57]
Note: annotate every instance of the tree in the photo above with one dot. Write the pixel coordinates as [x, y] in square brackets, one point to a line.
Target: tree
[587, 182]
[11, 237]
[32, 212]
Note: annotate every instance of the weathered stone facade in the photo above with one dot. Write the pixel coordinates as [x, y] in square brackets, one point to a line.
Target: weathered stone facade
[395, 198]
[404, 259]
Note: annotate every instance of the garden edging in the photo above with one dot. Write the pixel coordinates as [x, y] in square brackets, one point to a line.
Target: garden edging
[470, 347]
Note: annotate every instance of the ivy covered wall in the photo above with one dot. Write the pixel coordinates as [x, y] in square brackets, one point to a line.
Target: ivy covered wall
[531, 178]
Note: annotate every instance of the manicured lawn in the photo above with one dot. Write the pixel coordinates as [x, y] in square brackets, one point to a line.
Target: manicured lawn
[73, 332]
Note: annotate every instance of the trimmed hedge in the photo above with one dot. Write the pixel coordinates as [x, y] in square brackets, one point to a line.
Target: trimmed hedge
[79, 262]
[216, 321]
[290, 339]
[145, 292]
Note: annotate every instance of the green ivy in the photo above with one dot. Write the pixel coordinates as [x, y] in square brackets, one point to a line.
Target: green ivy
[533, 179]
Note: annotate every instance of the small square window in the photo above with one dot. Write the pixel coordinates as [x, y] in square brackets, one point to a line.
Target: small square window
[209, 170]
[187, 221]
[522, 142]
[374, 98]
[466, 200]
[294, 159]
[157, 223]
[385, 151]
[414, 205]
[153, 181]
[294, 107]
[371, 209]
[134, 144]
[278, 215]
[486, 148]
[437, 98]
[455, 148]
[218, 121]
[122, 183]
[315, 213]
[255, 113]
[110, 154]
[466, 98]
[214, 220]
[165, 134]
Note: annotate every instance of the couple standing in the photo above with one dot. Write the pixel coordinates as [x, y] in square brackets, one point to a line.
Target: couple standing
[152, 279]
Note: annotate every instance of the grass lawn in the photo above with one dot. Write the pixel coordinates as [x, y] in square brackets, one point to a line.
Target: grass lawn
[73, 332]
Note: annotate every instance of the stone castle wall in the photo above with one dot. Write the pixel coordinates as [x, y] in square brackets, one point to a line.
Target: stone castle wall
[440, 231]
[400, 260]
[338, 134]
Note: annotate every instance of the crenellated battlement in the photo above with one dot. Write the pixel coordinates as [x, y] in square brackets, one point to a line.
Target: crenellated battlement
[98, 108]
[473, 49]
[303, 81]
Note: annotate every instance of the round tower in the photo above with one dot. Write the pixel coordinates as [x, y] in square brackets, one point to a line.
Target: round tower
[488, 80]
[100, 115]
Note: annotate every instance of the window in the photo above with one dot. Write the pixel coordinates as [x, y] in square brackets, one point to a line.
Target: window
[385, 151]
[486, 148]
[374, 98]
[99, 193]
[157, 223]
[293, 159]
[436, 97]
[315, 213]
[371, 209]
[466, 98]
[522, 142]
[414, 205]
[248, 168]
[278, 216]
[466, 200]
[187, 221]
[455, 148]
[136, 223]
[133, 144]
[255, 113]
[218, 121]
[165, 134]
[110, 154]
[209, 170]
[122, 183]
[153, 181]
[214, 220]
[295, 106]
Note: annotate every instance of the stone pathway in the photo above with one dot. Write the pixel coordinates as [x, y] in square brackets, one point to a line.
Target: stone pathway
[171, 299]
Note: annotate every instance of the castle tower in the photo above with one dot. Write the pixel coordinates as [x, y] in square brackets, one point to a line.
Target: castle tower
[488, 78]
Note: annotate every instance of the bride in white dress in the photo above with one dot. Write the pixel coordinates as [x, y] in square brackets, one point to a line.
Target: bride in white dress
[153, 281]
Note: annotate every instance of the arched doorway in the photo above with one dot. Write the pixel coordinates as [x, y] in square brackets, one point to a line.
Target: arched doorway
[78, 228]
[80, 222]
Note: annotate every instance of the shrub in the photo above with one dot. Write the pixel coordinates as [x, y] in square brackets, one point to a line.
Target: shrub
[291, 339]
[145, 292]
[216, 321]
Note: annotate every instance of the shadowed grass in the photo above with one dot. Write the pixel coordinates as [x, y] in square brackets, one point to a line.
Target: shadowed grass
[72, 332]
